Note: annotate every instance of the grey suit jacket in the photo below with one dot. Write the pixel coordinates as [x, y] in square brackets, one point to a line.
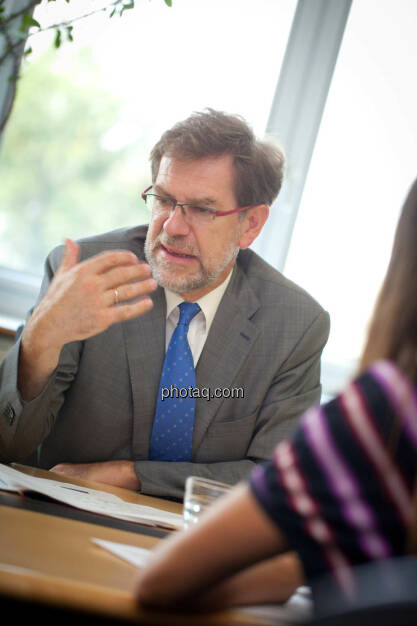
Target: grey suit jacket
[267, 337]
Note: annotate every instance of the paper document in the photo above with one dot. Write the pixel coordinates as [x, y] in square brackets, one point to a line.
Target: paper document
[88, 499]
[6, 487]
[132, 554]
[297, 609]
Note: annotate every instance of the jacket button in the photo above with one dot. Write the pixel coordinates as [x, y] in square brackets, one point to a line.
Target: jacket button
[9, 413]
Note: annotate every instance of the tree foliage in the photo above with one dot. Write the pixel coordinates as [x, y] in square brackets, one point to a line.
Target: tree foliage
[18, 26]
[57, 178]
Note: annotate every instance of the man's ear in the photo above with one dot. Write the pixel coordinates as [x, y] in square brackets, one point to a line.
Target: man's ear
[252, 224]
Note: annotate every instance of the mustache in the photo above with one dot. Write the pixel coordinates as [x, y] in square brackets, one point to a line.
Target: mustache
[178, 243]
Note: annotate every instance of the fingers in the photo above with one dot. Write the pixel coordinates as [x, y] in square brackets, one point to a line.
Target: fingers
[107, 260]
[62, 468]
[83, 294]
[124, 312]
[116, 267]
[131, 291]
[71, 255]
[128, 282]
[124, 274]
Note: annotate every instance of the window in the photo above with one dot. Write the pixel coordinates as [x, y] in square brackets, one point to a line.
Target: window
[363, 164]
[75, 153]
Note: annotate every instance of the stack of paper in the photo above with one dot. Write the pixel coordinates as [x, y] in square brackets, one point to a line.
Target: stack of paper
[88, 499]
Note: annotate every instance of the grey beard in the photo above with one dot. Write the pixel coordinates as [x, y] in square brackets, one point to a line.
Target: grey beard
[203, 278]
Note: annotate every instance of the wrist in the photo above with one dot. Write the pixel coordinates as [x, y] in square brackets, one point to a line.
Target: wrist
[37, 361]
[38, 340]
[132, 478]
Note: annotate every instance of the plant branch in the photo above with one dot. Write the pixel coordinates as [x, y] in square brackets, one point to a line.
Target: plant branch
[13, 53]
[77, 18]
[30, 5]
[10, 46]
[15, 40]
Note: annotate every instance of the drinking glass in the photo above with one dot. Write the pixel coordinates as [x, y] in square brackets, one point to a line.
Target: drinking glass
[199, 495]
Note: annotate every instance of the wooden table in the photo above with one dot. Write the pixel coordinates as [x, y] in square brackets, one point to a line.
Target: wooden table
[49, 560]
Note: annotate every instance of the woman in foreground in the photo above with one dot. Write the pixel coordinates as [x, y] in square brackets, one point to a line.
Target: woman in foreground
[339, 492]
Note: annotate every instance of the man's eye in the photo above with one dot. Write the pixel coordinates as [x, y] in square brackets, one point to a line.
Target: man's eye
[164, 202]
[200, 210]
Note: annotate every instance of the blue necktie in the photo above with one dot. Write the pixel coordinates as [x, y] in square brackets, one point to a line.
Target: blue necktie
[172, 432]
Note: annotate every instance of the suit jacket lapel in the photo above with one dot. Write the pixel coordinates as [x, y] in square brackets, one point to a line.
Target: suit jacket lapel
[145, 348]
[228, 344]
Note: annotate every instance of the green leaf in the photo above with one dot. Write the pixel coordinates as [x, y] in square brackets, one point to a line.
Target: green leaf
[34, 22]
[27, 22]
[168, 3]
[127, 5]
[28, 51]
[58, 36]
[69, 33]
[113, 12]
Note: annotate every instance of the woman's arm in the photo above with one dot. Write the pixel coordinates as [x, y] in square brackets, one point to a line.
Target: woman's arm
[273, 580]
[234, 534]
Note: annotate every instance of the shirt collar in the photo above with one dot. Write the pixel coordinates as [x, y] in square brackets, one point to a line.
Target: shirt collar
[208, 303]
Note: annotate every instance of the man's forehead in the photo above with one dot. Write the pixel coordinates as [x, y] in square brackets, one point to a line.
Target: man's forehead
[208, 177]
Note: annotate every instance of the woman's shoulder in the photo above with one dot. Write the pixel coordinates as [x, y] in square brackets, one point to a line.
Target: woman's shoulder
[378, 399]
[382, 382]
[388, 374]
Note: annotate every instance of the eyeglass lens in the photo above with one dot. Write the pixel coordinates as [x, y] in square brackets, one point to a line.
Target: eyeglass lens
[192, 214]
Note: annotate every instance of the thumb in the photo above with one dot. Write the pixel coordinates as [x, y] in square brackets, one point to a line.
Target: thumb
[71, 255]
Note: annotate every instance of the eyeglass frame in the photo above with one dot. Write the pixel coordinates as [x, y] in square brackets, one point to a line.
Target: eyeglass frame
[215, 213]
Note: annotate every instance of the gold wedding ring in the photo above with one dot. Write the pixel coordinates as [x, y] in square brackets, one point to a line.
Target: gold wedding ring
[116, 296]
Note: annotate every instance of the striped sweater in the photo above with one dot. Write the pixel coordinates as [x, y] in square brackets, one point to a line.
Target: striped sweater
[341, 488]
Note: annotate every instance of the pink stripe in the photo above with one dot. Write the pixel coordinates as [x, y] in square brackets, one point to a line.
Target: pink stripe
[343, 485]
[293, 481]
[361, 423]
[342, 571]
[286, 464]
[401, 393]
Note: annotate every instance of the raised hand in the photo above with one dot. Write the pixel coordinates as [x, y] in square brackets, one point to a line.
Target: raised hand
[86, 298]
[83, 300]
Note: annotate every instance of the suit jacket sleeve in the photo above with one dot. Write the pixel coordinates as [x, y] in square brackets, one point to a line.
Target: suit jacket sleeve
[24, 425]
[295, 388]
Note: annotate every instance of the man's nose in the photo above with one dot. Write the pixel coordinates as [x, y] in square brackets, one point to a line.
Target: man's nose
[175, 224]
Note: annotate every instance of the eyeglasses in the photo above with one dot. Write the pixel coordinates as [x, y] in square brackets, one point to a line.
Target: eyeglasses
[193, 214]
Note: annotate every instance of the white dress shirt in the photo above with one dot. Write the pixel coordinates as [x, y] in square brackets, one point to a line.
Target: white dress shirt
[201, 323]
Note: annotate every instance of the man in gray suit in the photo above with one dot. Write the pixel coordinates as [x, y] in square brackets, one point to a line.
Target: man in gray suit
[81, 392]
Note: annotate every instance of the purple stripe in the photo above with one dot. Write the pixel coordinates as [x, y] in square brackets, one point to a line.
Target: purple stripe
[358, 413]
[259, 481]
[343, 485]
[385, 373]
